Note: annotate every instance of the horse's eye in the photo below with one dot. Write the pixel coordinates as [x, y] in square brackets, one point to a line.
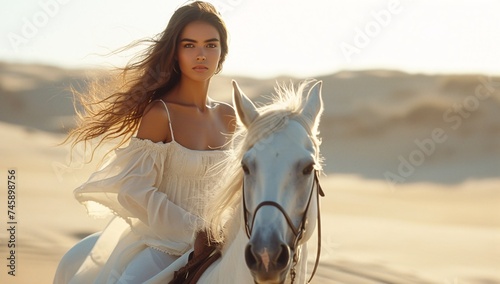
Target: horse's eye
[308, 170]
[245, 169]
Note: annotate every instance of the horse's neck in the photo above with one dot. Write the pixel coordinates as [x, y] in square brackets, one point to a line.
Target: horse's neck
[301, 268]
[231, 268]
[234, 260]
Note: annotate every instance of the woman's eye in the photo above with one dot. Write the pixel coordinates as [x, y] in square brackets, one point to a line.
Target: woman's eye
[211, 45]
[188, 45]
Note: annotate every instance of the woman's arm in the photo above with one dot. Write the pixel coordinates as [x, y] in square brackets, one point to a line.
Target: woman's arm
[144, 200]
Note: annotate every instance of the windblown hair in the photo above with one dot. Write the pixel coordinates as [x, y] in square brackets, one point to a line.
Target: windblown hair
[287, 105]
[112, 108]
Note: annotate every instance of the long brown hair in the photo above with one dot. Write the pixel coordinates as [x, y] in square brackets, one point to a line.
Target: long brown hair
[149, 76]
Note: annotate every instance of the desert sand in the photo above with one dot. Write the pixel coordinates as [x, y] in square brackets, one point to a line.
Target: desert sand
[436, 221]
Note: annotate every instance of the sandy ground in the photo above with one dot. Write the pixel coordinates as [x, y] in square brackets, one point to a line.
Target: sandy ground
[372, 233]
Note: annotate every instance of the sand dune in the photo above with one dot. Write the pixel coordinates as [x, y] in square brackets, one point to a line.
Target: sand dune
[440, 225]
[364, 110]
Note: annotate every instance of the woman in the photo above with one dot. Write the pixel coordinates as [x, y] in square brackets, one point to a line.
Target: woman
[157, 184]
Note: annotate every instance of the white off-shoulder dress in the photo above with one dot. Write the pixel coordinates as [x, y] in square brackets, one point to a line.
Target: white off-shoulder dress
[157, 192]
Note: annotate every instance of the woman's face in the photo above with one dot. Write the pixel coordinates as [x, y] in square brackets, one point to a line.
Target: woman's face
[198, 51]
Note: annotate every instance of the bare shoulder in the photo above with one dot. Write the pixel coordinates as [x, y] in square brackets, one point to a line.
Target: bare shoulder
[154, 123]
[227, 114]
[225, 109]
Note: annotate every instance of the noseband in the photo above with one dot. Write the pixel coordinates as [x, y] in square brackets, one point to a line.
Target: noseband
[297, 231]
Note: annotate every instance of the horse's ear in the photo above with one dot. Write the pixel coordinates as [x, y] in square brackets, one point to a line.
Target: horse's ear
[314, 106]
[245, 109]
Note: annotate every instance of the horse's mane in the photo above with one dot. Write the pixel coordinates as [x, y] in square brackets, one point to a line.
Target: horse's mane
[287, 104]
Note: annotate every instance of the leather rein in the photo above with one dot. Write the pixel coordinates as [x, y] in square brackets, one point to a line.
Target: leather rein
[297, 231]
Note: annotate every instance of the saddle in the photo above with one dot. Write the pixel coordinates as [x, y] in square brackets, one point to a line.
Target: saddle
[205, 253]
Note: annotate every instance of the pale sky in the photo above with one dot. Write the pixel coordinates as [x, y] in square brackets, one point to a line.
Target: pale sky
[300, 38]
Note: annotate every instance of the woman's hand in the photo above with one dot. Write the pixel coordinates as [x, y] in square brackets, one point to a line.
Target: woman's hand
[201, 243]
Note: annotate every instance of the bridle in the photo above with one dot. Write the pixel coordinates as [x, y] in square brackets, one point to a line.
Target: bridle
[297, 231]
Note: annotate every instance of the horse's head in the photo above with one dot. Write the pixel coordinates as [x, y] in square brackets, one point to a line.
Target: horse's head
[279, 194]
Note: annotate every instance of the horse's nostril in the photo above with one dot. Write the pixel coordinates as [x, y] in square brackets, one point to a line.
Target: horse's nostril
[283, 257]
[250, 257]
[268, 260]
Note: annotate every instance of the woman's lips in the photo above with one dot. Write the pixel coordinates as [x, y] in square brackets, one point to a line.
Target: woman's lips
[200, 68]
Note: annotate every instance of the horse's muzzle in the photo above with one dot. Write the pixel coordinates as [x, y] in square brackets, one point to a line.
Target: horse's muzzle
[269, 262]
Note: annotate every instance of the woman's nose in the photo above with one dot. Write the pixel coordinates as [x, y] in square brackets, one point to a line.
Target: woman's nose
[201, 58]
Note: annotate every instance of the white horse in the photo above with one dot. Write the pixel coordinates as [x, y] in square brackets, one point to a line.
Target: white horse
[267, 207]
[271, 191]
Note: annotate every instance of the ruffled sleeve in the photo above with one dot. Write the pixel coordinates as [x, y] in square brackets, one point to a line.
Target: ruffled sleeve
[127, 186]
